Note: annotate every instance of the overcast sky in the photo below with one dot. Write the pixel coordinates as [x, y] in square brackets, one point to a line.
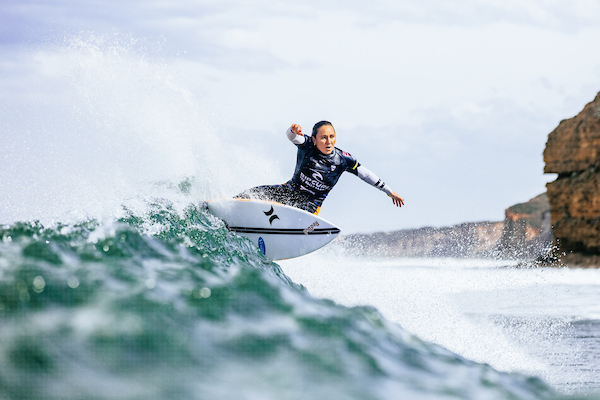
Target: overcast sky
[450, 103]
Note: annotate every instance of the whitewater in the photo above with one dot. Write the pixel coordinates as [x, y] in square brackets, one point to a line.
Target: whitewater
[116, 284]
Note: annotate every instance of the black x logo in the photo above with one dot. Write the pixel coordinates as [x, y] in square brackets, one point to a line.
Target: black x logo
[273, 217]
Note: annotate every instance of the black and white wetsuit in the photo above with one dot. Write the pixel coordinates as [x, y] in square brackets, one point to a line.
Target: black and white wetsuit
[314, 177]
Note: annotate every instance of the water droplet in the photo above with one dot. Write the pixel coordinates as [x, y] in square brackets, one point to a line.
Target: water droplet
[205, 292]
[39, 284]
[106, 248]
[73, 282]
[150, 283]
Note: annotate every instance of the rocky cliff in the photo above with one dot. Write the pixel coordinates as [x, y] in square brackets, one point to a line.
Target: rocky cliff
[527, 230]
[573, 152]
[524, 234]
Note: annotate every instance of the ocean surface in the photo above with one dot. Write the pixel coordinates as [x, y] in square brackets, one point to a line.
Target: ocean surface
[167, 303]
[512, 315]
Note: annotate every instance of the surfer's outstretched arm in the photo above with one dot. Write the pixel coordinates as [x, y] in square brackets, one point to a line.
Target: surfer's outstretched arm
[372, 179]
[295, 135]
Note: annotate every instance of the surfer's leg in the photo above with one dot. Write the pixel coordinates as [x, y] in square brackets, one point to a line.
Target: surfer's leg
[297, 199]
[284, 194]
[306, 205]
[251, 193]
[265, 192]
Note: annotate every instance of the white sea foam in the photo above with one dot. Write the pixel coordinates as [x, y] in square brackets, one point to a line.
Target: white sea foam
[513, 319]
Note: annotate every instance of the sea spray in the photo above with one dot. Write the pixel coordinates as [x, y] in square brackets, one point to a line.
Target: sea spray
[115, 116]
[110, 310]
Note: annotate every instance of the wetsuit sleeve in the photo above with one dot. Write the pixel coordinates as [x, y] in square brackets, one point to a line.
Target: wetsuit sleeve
[372, 179]
[352, 163]
[296, 139]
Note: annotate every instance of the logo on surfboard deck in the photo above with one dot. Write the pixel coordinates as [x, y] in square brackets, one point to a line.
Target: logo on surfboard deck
[261, 245]
[273, 217]
[311, 227]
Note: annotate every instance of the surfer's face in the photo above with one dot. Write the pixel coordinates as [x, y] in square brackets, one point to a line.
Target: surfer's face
[325, 140]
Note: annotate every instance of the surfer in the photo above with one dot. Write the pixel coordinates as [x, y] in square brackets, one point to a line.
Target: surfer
[319, 165]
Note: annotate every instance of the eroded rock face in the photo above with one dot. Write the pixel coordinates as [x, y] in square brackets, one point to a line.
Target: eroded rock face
[573, 152]
[575, 143]
[526, 232]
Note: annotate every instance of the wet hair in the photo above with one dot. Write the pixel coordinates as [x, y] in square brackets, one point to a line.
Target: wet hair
[318, 125]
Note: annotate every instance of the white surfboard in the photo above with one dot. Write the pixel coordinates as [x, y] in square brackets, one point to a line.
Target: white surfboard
[279, 231]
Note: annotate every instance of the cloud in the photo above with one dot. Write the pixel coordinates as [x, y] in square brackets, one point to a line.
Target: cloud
[253, 35]
[546, 14]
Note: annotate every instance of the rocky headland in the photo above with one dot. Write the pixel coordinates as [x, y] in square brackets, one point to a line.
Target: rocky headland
[523, 235]
[573, 152]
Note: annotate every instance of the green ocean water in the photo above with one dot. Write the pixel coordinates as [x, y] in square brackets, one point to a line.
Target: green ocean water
[167, 304]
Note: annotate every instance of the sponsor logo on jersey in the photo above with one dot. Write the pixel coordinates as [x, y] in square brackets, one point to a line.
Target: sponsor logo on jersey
[317, 175]
[305, 189]
[313, 183]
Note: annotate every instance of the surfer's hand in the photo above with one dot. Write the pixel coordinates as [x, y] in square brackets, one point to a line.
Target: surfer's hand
[398, 201]
[297, 129]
